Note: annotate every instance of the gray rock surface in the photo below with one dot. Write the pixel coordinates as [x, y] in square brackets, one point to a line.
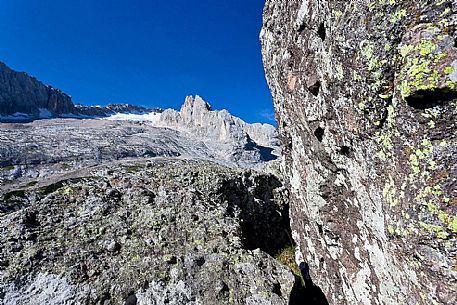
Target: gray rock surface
[158, 231]
[364, 94]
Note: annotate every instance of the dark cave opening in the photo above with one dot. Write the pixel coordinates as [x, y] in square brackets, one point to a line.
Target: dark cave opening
[266, 225]
[314, 88]
[321, 31]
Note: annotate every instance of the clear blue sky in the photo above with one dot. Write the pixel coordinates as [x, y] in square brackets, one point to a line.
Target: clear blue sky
[144, 52]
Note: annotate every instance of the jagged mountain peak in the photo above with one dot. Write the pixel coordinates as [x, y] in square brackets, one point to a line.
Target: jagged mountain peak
[195, 102]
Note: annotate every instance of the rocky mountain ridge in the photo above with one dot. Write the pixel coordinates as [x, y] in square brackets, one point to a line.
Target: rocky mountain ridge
[23, 98]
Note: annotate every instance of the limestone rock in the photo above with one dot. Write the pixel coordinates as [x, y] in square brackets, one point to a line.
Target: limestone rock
[364, 94]
[229, 136]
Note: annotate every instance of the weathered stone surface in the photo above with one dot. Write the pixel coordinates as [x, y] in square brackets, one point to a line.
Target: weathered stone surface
[145, 232]
[364, 92]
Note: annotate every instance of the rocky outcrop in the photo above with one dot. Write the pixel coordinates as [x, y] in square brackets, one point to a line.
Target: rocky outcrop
[21, 93]
[225, 134]
[155, 231]
[364, 93]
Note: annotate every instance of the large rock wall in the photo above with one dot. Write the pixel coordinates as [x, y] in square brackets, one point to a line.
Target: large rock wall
[364, 94]
[22, 93]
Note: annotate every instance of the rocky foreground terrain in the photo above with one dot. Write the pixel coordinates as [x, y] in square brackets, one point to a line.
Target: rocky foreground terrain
[157, 231]
[365, 97]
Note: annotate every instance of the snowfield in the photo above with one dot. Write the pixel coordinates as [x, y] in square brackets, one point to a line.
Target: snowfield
[145, 117]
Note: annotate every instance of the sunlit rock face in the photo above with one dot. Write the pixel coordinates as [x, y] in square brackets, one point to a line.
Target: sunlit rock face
[364, 94]
[228, 136]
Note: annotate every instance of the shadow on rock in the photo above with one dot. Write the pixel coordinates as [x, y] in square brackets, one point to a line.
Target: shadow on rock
[266, 225]
[305, 292]
[264, 212]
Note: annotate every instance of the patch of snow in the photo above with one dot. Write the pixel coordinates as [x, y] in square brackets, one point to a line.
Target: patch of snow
[44, 113]
[148, 117]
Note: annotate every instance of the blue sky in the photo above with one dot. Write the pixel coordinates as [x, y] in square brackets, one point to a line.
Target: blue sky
[144, 52]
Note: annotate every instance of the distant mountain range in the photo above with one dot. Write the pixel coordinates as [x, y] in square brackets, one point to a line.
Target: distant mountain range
[196, 130]
[24, 98]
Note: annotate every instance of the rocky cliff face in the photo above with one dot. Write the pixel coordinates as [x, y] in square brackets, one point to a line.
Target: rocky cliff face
[21, 93]
[227, 135]
[364, 94]
[24, 98]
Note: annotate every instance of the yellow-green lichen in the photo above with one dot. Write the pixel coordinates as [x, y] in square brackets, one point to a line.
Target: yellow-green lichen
[367, 49]
[382, 156]
[338, 13]
[400, 14]
[414, 162]
[422, 69]
[449, 70]
[389, 191]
